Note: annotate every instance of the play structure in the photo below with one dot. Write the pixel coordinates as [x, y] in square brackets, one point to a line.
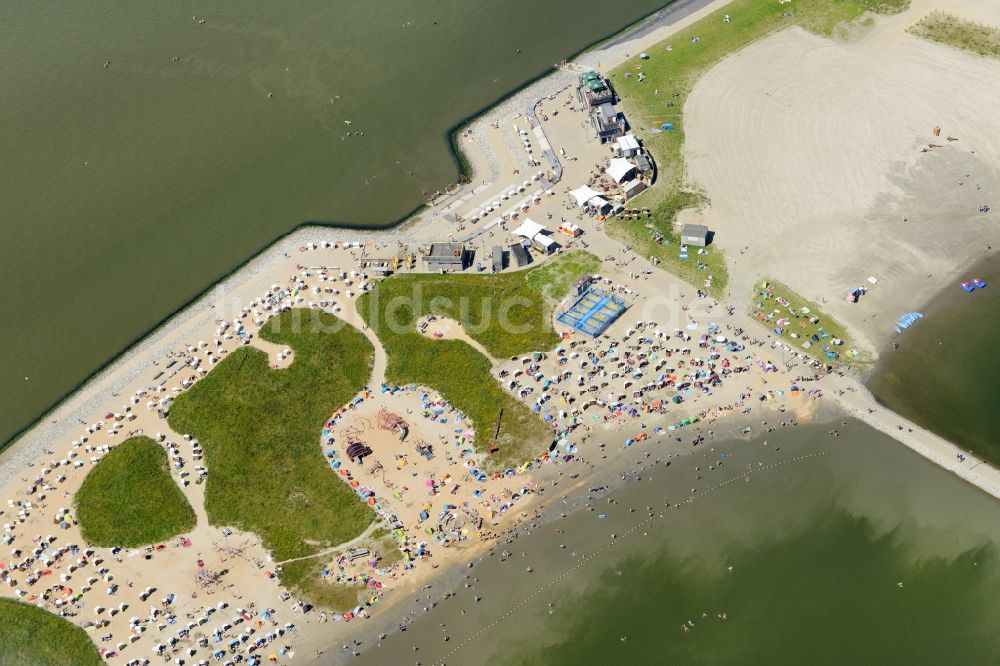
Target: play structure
[393, 422]
[593, 311]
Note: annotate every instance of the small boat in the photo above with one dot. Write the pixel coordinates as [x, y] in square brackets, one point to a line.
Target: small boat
[968, 286]
[907, 320]
[980, 283]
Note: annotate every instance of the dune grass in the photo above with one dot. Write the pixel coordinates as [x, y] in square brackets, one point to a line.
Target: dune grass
[503, 313]
[339, 596]
[129, 499]
[958, 32]
[554, 278]
[31, 636]
[260, 430]
[657, 238]
[767, 311]
[674, 73]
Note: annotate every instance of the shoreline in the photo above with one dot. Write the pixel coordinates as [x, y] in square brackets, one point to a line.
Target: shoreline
[307, 231]
[932, 304]
[464, 166]
[547, 508]
[117, 372]
[846, 394]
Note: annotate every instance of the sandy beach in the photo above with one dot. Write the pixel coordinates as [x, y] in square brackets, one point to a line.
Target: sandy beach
[804, 186]
[856, 116]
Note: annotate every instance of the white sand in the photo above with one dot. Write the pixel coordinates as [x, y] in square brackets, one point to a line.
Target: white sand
[810, 151]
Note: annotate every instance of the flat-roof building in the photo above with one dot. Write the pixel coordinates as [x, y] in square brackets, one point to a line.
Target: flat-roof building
[497, 259]
[608, 122]
[633, 187]
[446, 257]
[520, 255]
[643, 163]
[694, 234]
[628, 145]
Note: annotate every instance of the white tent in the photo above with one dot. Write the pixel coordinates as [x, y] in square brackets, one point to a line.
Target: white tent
[529, 229]
[584, 194]
[536, 234]
[620, 169]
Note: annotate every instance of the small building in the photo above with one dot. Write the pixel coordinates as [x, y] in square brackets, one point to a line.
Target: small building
[544, 244]
[633, 187]
[608, 122]
[694, 234]
[593, 90]
[521, 256]
[628, 145]
[498, 258]
[643, 164]
[582, 284]
[446, 257]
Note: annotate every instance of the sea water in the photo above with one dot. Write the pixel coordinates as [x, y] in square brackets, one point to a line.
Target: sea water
[150, 148]
[802, 548]
[945, 373]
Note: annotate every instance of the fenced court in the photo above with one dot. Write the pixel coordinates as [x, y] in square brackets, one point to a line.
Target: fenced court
[593, 311]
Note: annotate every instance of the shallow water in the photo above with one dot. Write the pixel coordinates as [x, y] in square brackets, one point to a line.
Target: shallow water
[944, 374]
[127, 189]
[818, 537]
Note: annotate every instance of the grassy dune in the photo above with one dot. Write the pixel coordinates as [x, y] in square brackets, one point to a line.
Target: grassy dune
[959, 32]
[260, 430]
[554, 279]
[129, 499]
[506, 313]
[30, 636]
[798, 333]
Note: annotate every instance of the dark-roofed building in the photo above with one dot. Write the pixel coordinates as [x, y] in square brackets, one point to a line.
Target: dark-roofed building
[497, 259]
[521, 256]
[446, 257]
[643, 163]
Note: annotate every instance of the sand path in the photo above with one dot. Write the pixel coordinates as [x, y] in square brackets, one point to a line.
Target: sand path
[445, 328]
[340, 547]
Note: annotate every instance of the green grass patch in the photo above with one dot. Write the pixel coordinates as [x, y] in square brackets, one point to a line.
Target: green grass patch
[388, 550]
[554, 278]
[502, 312]
[30, 636]
[129, 499]
[958, 32]
[773, 303]
[305, 577]
[674, 73]
[657, 238]
[260, 429]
